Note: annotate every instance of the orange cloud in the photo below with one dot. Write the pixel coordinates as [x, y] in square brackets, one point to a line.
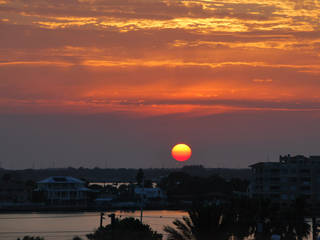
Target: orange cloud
[159, 57]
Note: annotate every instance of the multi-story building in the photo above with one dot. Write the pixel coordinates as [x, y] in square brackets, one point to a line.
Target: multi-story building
[290, 178]
[64, 190]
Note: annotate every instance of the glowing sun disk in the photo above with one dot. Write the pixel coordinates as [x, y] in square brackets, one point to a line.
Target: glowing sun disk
[181, 152]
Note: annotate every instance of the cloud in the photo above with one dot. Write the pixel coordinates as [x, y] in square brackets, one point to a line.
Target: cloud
[268, 80]
[202, 16]
[66, 52]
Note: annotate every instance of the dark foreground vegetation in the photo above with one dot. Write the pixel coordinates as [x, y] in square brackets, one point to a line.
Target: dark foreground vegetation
[242, 218]
[128, 228]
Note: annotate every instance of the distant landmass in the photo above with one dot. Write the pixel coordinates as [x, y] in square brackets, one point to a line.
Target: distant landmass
[123, 174]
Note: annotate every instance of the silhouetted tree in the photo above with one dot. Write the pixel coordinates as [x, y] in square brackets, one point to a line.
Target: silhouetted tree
[31, 238]
[239, 218]
[148, 184]
[243, 220]
[127, 228]
[140, 176]
[203, 223]
[30, 184]
[38, 196]
[76, 238]
[180, 183]
[290, 222]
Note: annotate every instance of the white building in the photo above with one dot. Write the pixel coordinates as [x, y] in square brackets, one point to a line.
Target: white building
[64, 190]
[149, 193]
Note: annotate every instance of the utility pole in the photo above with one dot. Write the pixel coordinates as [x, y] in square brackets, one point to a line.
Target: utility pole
[101, 219]
[113, 219]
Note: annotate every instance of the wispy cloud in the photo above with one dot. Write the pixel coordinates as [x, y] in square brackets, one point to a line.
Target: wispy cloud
[160, 56]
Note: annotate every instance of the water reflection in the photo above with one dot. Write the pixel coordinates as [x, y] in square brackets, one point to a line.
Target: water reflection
[64, 226]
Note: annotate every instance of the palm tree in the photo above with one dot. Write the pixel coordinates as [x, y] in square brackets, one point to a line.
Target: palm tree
[287, 222]
[290, 222]
[243, 218]
[204, 223]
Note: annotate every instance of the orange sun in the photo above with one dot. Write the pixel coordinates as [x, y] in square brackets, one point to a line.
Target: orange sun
[181, 152]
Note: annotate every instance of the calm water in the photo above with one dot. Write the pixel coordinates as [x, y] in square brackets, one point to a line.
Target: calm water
[64, 226]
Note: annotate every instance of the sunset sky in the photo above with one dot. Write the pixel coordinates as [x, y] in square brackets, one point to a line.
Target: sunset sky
[118, 82]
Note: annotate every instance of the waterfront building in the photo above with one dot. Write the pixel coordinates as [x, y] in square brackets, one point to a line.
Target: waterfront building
[64, 190]
[290, 178]
[150, 193]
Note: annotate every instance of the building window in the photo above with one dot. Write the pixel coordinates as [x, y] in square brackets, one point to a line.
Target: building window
[305, 188]
[305, 171]
[293, 188]
[274, 179]
[275, 188]
[292, 179]
[306, 196]
[275, 196]
[306, 179]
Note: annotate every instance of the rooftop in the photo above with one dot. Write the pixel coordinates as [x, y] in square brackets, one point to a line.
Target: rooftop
[61, 179]
[298, 159]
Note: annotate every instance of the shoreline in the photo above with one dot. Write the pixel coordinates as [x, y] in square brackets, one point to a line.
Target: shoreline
[81, 209]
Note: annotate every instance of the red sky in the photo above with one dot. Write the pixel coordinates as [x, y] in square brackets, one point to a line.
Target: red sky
[145, 59]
